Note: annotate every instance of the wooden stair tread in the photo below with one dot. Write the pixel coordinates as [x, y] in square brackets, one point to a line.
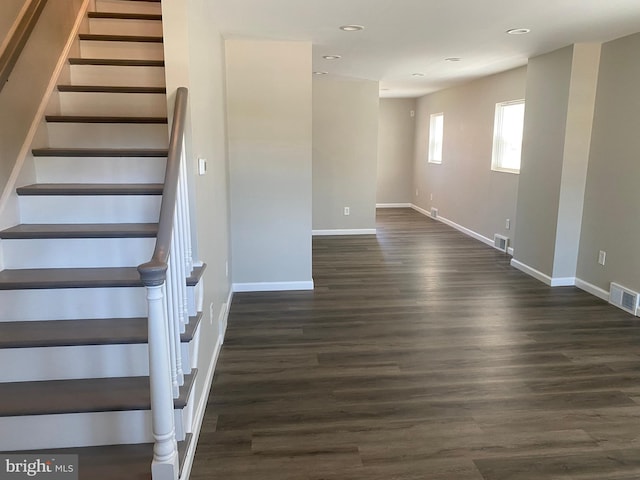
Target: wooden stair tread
[57, 397]
[49, 278]
[67, 333]
[126, 16]
[116, 62]
[100, 152]
[81, 230]
[110, 89]
[103, 119]
[196, 275]
[55, 278]
[99, 37]
[109, 462]
[91, 189]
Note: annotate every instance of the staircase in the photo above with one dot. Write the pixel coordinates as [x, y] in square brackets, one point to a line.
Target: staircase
[73, 309]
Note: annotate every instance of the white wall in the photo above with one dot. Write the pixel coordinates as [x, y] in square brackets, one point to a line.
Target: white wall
[194, 58]
[269, 98]
[396, 144]
[345, 151]
[464, 188]
[612, 198]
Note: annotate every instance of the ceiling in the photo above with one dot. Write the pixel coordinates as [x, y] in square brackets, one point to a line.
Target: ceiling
[406, 37]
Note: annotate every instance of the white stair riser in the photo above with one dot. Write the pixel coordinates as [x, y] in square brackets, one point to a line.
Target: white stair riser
[90, 209]
[128, 7]
[113, 104]
[117, 75]
[81, 429]
[92, 361]
[99, 169]
[107, 135]
[110, 26]
[72, 303]
[122, 50]
[77, 252]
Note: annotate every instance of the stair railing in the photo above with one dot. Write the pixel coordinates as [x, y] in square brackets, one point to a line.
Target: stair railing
[165, 278]
[9, 56]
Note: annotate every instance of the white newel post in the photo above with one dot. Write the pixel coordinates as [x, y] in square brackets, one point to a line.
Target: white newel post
[165, 450]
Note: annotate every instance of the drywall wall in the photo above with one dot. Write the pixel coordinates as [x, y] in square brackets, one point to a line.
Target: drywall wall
[396, 143]
[464, 188]
[612, 198]
[580, 108]
[194, 57]
[9, 14]
[269, 97]
[345, 151]
[25, 89]
[547, 97]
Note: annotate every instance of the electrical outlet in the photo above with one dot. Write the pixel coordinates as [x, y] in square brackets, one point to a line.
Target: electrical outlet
[431, 197]
[507, 224]
[412, 113]
[347, 211]
[211, 313]
[202, 166]
[602, 256]
[417, 192]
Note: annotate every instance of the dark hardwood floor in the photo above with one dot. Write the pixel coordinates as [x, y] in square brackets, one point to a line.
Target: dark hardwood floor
[422, 354]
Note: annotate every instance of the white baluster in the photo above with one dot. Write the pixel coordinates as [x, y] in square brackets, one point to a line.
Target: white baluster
[180, 242]
[165, 449]
[175, 280]
[172, 307]
[187, 215]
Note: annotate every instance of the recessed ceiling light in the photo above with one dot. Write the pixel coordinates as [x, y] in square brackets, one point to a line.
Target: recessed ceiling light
[417, 74]
[518, 31]
[320, 73]
[452, 59]
[351, 28]
[332, 57]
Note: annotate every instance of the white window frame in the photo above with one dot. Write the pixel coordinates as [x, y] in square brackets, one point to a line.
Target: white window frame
[436, 138]
[497, 155]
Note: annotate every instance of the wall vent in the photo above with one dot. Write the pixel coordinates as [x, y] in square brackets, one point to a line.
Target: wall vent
[434, 212]
[501, 242]
[623, 298]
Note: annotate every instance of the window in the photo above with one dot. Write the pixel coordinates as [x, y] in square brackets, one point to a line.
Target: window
[436, 134]
[507, 136]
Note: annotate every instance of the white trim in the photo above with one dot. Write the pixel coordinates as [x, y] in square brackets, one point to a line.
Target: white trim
[352, 231]
[592, 289]
[563, 282]
[14, 27]
[202, 403]
[544, 278]
[53, 81]
[421, 210]
[393, 205]
[453, 224]
[272, 286]
[510, 251]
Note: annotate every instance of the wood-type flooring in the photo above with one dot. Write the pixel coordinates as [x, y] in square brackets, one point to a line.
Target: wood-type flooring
[422, 354]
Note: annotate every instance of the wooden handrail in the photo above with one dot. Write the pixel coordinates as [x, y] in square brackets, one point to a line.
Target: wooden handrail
[154, 272]
[9, 57]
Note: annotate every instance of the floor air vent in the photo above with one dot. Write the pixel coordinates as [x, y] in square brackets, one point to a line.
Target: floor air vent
[623, 298]
[501, 242]
[434, 212]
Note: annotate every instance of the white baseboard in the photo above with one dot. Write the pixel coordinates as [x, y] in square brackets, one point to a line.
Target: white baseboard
[592, 289]
[272, 286]
[453, 224]
[421, 210]
[532, 272]
[352, 231]
[393, 205]
[510, 251]
[202, 403]
[563, 281]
